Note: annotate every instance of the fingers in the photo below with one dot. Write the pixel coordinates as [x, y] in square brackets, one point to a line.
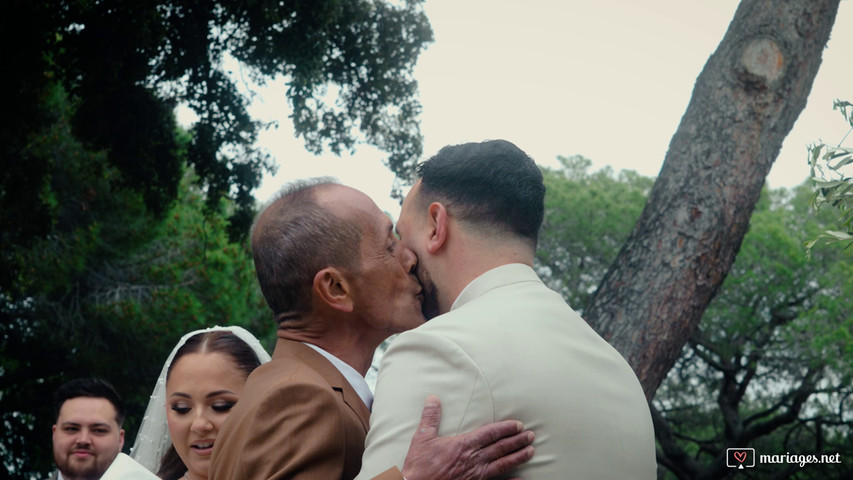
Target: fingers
[512, 459]
[502, 446]
[508, 445]
[493, 432]
[430, 418]
[489, 451]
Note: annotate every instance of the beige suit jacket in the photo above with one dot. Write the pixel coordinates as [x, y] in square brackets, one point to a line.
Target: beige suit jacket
[510, 348]
[126, 468]
[298, 418]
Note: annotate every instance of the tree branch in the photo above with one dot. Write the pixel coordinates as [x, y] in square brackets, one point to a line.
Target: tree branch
[672, 456]
[799, 396]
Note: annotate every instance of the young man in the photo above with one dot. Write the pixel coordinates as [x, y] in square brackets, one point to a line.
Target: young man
[502, 345]
[87, 436]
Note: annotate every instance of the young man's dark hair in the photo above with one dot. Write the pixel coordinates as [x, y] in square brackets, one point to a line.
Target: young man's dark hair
[493, 184]
[89, 387]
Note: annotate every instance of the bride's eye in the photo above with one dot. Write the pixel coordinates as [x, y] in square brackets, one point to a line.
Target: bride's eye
[180, 408]
[223, 406]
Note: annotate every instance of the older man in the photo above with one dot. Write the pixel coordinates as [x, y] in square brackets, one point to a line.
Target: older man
[338, 283]
[503, 345]
[87, 436]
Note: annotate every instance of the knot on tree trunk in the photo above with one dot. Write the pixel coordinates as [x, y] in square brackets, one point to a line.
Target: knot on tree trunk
[762, 62]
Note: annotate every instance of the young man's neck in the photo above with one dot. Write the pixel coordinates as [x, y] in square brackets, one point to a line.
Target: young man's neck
[471, 256]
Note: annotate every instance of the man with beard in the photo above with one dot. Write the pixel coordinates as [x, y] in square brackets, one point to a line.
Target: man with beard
[502, 344]
[87, 436]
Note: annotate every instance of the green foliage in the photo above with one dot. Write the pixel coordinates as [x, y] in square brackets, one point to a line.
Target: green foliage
[830, 167]
[587, 218]
[346, 67]
[108, 290]
[189, 272]
[771, 364]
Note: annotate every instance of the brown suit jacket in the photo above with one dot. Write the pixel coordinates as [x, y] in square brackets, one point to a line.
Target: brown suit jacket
[297, 418]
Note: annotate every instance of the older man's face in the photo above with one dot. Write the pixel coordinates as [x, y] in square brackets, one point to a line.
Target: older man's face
[86, 438]
[386, 292]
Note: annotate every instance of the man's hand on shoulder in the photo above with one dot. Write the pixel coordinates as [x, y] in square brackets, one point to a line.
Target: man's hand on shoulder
[488, 451]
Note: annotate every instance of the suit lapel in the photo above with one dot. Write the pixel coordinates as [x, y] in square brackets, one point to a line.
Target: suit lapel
[354, 402]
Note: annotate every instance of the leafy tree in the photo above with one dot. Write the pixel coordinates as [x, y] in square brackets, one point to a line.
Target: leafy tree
[771, 364]
[744, 103]
[346, 65]
[830, 166]
[587, 218]
[774, 353]
[109, 291]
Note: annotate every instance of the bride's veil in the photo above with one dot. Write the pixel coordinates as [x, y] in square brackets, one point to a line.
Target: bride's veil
[153, 438]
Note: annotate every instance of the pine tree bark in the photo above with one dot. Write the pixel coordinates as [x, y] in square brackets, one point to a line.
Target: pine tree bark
[744, 103]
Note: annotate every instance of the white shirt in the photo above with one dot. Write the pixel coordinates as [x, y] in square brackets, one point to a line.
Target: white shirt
[358, 383]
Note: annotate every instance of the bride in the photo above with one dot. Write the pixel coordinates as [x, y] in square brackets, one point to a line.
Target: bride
[199, 383]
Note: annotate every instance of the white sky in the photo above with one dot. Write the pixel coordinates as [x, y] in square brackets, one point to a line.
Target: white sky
[606, 79]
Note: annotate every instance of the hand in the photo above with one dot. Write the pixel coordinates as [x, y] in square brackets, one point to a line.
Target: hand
[488, 451]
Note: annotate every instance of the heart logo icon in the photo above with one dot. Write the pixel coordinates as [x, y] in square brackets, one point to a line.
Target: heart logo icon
[740, 456]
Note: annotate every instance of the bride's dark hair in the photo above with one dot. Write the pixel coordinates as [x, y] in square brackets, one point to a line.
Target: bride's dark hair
[243, 357]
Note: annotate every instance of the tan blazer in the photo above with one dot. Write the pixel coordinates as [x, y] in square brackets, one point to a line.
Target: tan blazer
[298, 418]
[511, 348]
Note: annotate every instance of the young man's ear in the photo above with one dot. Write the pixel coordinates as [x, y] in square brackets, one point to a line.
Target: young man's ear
[438, 220]
[333, 289]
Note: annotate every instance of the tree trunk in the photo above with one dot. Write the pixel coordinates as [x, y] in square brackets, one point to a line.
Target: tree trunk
[744, 103]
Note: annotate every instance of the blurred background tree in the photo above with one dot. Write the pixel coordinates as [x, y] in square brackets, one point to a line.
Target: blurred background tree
[588, 216]
[771, 364]
[128, 64]
[109, 290]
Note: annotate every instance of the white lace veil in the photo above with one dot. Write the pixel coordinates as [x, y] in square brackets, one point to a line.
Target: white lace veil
[153, 438]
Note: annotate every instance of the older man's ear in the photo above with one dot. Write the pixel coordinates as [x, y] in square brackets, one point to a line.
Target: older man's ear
[332, 288]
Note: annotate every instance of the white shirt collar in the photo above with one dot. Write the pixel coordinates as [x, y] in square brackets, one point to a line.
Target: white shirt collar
[359, 384]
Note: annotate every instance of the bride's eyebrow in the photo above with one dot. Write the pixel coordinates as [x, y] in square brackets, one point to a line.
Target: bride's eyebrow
[211, 394]
[220, 392]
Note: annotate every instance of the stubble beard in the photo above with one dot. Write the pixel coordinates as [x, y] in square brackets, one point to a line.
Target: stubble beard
[72, 470]
[430, 304]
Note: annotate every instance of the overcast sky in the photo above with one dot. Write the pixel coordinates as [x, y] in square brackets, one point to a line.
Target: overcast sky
[606, 79]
